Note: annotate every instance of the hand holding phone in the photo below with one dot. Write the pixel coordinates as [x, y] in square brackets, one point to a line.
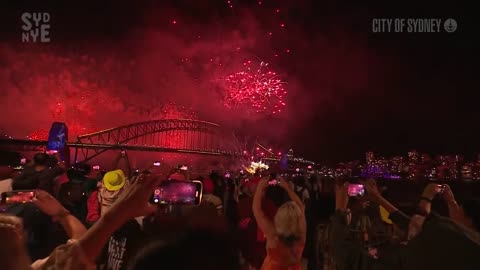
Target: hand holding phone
[273, 182]
[48, 204]
[448, 195]
[441, 189]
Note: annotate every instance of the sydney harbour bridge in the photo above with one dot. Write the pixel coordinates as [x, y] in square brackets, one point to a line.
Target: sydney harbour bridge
[167, 135]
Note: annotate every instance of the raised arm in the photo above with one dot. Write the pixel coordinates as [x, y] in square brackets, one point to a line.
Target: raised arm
[293, 196]
[375, 196]
[398, 217]
[122, 156]
[50, 206]
[347, 254]
[262, 220]
[453, 207]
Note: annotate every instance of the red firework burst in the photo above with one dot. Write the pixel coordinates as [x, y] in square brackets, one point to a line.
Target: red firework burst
[260, 89]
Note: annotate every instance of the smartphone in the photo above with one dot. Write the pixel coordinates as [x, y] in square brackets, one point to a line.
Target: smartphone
[96, 168]
[355, 190]
[156, 163]
[18, 196]
[274, 182]
[178, 192]
[441, 188]
[184, 168]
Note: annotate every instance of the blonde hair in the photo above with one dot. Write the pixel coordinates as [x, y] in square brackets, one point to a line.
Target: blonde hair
[287, 220]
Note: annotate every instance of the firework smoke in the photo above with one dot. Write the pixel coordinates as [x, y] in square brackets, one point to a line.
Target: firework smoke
[93, 83]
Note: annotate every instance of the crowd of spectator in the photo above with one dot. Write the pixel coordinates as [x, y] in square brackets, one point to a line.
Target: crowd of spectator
[88, 219]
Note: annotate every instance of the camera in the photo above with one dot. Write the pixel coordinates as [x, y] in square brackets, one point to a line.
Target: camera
[441, 188]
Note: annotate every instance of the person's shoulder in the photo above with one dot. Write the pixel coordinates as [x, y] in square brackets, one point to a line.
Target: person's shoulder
[91, 183]
[215, 200]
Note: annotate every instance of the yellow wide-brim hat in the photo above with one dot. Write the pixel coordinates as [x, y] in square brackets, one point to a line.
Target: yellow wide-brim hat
[114, 180]
[385, 215]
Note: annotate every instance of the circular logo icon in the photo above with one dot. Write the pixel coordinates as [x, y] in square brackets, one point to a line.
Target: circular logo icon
[450, 25]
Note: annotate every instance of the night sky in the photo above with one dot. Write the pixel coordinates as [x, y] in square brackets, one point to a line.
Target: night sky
[349, 90]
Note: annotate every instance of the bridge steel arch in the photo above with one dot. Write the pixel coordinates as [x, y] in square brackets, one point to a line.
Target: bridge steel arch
[167, 135]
